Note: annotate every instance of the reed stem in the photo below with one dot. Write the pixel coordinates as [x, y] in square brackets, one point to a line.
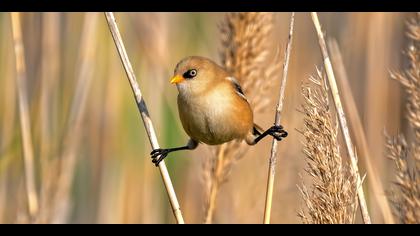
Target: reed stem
[273, 156]
[356, 126]
[141, 105]
[21, 85]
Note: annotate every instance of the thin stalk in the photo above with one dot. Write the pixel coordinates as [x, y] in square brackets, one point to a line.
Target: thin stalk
[356, 126]
[273, 156]
[50, 71]
[61, 201]
[341, 118]
[21, 79]
[141, 105]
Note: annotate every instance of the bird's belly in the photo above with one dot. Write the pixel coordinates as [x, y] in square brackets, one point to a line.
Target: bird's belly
[211, 124]
[217, 129]
[211, 127]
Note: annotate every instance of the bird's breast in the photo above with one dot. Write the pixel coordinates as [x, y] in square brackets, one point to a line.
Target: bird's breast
[215, 118]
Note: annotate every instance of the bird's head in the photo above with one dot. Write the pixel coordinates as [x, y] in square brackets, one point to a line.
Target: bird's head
[194, 75]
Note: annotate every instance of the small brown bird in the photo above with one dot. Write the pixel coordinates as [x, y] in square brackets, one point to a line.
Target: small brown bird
[212, 107]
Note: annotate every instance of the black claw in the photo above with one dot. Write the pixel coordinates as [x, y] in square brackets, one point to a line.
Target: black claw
[284, 134]
[158, 155]
[276, 128]
[278, 138]
[278, 132]
[155, 153]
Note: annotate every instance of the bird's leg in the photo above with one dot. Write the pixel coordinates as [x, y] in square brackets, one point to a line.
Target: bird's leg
[159, 154]
[276, 131]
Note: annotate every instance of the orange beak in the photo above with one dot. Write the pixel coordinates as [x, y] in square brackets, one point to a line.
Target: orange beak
[177, 79]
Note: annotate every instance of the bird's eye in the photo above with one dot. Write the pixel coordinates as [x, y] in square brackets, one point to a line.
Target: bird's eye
[190, 74]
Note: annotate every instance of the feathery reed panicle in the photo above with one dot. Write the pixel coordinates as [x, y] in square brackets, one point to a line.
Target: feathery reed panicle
[342, 118]
[246, 52]
[406, 155]
[405, 196]
[246, 55]
[332, 197]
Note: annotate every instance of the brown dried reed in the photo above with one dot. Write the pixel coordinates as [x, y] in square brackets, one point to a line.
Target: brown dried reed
[273, 155]
[356, 126]
[25, 125]
[405, 196]
[341, 118]
[332, 197]
[141, 105]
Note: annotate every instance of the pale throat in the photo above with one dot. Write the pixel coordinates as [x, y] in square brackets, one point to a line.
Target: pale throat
[215, 101]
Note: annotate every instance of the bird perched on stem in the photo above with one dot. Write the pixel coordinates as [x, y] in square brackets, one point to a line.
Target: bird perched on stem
[213, 108]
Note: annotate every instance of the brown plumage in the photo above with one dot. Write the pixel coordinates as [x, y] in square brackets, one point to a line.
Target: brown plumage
[212, 107]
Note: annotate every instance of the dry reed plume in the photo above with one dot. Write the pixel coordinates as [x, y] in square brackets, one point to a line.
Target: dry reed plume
[406, 194]
[341, 118]
[246, 55]
[332, 197]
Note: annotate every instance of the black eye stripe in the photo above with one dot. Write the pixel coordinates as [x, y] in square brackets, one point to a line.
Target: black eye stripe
[189, 74]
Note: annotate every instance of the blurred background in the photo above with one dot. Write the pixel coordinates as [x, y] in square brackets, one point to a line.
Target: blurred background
[91, 153]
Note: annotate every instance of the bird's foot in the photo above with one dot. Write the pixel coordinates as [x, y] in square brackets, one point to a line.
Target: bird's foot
[158, 155]
[277, 132]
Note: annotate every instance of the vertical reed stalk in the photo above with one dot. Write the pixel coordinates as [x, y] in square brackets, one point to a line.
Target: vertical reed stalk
[273, 156]
[49, 80]
[50, 71]
[21, 85]
[62, 196]
[359, 134]
[141, 105]
[342, 118]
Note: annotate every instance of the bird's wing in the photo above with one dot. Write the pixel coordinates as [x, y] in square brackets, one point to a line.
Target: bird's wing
[237, 87]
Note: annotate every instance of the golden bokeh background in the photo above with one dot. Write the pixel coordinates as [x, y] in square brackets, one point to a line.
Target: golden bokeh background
[91, 153]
